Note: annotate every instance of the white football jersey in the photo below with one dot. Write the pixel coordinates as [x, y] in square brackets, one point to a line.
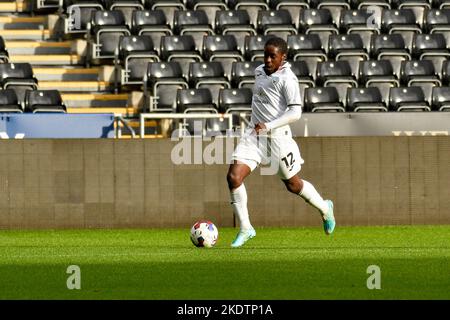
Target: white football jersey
[273, 94]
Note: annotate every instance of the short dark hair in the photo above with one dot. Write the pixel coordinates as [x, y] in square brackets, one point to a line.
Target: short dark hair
[280, 43]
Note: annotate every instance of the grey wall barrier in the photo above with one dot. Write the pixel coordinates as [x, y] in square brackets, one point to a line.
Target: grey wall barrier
[106, 183]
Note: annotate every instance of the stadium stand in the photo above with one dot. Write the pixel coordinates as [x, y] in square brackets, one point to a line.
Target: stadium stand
[132, 56]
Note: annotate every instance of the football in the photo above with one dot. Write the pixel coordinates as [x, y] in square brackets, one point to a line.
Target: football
[204, 234]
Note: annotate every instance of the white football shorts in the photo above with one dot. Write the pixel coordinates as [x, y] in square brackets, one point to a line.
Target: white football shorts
[278, 152]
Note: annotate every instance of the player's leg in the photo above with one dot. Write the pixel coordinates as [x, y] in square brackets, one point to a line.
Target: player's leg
[307, 191]
[237, 172]
[289, 167]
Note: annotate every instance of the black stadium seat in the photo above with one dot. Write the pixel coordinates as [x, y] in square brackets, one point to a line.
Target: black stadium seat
[161, 82]
[320, 99]
[209, 6]
[293, 6]
[9, 101]
[181, 49]
[337, 74]
[250, 6]
[390, 47]
[379, 74]
[132, 57]
[318, 21]
[235, 22]
[106, 28]
[303, 74]
[168, 6]
[243, 74]
[235, 100]
[407, 99]
[441, 99]
[348, 47]
[44, 101]
[127, 7]
[277, 22]
[194, 23]
[195, 101]
[431, 47]
[152, 23]
[308, 48]
[4, 56]
[364, 99]
[208, 75]
[17, 76]
[361, 22]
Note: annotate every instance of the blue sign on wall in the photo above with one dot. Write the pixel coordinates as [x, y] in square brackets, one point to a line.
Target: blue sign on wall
[56, 125]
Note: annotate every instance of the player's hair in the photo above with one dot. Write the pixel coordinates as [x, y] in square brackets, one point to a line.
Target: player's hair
[280, 43]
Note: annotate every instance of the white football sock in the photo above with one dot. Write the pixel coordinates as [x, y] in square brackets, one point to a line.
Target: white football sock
[310, 194]
[239, 204]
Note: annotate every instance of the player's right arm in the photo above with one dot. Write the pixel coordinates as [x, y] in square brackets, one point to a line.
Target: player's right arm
[293, 113]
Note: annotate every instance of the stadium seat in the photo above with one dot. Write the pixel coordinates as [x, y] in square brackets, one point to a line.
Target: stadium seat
[390, 47]
[441, 99]
[254, 47]
[126, 7]
[235, 22]
[318, 21]
[407, 99]
[181, 49]
[402, 21]
[243, 74]
[419, 7]
[167, 6]
[431, 47]
[210, 7]
[364, 99]
[437, 21]
[337, 74]
[4, 56]
[132, 57]
[194, 23]
[305, 79]
[335, 7]
[44, 101]
[208, 75]
[348, 47]
[293, 6]
[322, 99]
[9, 101]
[379, 74]
[236, 102]
[223, 49]
[414, 71]
[250, 6]
[445, 73]
[77, 15]
[195, 101]
[308, 48]
[361, 22]
[161, 82]
[152, 23]
[19, 77]
[277, 22]
[104, 32]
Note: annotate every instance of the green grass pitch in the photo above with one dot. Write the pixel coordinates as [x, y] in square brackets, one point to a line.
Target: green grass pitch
[279, 263]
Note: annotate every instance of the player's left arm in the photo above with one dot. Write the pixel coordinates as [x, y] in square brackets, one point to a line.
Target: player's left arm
[291, 92]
